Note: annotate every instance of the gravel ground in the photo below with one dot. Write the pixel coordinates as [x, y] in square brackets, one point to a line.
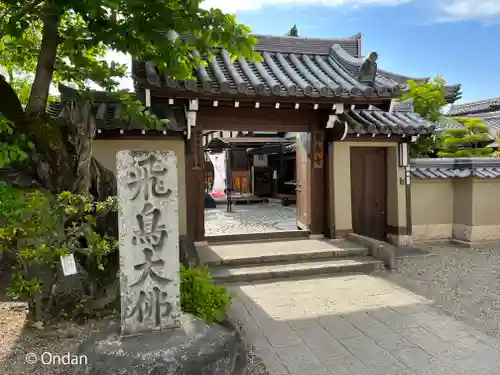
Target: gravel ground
[464, 283]
[17, 341]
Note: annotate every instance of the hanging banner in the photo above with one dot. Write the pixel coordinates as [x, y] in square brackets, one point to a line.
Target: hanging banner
[219, 163]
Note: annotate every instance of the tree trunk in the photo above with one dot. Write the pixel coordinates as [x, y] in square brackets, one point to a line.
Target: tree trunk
[46, 60]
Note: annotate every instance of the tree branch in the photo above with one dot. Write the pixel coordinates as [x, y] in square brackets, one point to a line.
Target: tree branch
[27, 8]
[46, 60]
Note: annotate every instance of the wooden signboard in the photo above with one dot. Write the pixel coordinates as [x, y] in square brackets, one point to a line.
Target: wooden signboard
[318, 144]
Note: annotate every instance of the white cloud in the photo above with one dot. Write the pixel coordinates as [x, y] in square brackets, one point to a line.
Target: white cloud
[232, 6]
[470, 9]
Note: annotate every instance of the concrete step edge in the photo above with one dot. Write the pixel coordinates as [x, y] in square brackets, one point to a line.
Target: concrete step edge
[298, 256]
[223, 275]
[366, 267]
[246, 237]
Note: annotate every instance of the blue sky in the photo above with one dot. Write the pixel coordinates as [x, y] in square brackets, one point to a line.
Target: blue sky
[458, 39]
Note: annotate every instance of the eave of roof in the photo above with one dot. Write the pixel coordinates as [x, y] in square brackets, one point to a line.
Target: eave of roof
[381, 122]
[105, 109]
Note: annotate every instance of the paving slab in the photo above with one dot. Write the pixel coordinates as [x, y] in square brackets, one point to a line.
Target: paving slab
[358, 325]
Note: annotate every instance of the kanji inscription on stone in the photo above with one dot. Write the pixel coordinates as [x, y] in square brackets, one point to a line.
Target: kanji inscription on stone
[149, 240]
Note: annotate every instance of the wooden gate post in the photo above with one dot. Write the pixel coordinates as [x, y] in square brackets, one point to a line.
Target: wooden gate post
[195, 182]
[317, 189]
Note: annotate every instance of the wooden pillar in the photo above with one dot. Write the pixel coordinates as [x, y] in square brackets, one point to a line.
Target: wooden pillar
[329, 191]
[195, 192]
[318, 207]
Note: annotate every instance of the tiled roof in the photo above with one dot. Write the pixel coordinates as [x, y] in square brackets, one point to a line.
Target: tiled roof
[455, 168]
[474, 107]
[381, 122]
[309, 46]
[106, 111]
[291, 66]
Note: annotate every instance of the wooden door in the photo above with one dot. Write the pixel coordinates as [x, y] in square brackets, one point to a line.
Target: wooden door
[302, 189]
[368, 191]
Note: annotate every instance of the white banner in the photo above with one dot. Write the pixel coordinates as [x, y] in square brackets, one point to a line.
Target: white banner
[219, 163]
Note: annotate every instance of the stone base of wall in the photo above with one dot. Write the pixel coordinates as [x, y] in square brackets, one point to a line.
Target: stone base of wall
[400, 240]
[476, 233]
[432, 232]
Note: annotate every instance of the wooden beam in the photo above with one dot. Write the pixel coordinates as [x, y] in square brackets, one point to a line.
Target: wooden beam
[120, 134]
[253, 119]
[370, 138]
[166, 92]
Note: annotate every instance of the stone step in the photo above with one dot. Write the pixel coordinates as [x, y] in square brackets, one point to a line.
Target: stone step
[268, 236]
[231, 274]
[256, 253]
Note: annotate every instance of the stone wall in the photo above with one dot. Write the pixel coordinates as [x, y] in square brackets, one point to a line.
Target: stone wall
[456, 199]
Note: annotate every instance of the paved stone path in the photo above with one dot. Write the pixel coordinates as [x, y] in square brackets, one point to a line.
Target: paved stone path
[357, 325]
[251, 218]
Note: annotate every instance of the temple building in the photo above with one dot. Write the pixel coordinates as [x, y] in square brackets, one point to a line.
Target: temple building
[350, 135]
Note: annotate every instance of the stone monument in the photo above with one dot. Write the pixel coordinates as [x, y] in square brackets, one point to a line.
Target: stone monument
[155, 337]
[149, 241]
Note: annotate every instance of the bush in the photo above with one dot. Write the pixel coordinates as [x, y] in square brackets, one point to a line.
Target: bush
[36, 229]
[200, 297]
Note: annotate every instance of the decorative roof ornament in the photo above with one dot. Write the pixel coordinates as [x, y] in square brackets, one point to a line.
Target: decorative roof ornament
[368, 69]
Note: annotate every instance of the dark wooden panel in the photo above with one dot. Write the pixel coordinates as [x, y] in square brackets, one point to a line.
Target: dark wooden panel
[256, 119]
[368, 191]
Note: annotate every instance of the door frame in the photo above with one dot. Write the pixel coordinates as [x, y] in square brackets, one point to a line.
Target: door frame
[253, 119]
[306, 201]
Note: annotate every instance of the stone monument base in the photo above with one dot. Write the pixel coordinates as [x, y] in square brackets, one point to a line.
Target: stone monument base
[194, 349]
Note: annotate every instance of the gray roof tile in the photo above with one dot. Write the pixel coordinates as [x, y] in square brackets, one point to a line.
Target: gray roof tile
[475, 107]
[381, 122]
[455, 168]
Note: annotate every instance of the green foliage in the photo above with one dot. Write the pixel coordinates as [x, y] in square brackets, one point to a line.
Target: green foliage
[77, 35]
[428, 98]
[88, 30]
[468, 141]
[14, 148]
[426, 146]
[37, 229]
[428, 101]
[200, 297]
